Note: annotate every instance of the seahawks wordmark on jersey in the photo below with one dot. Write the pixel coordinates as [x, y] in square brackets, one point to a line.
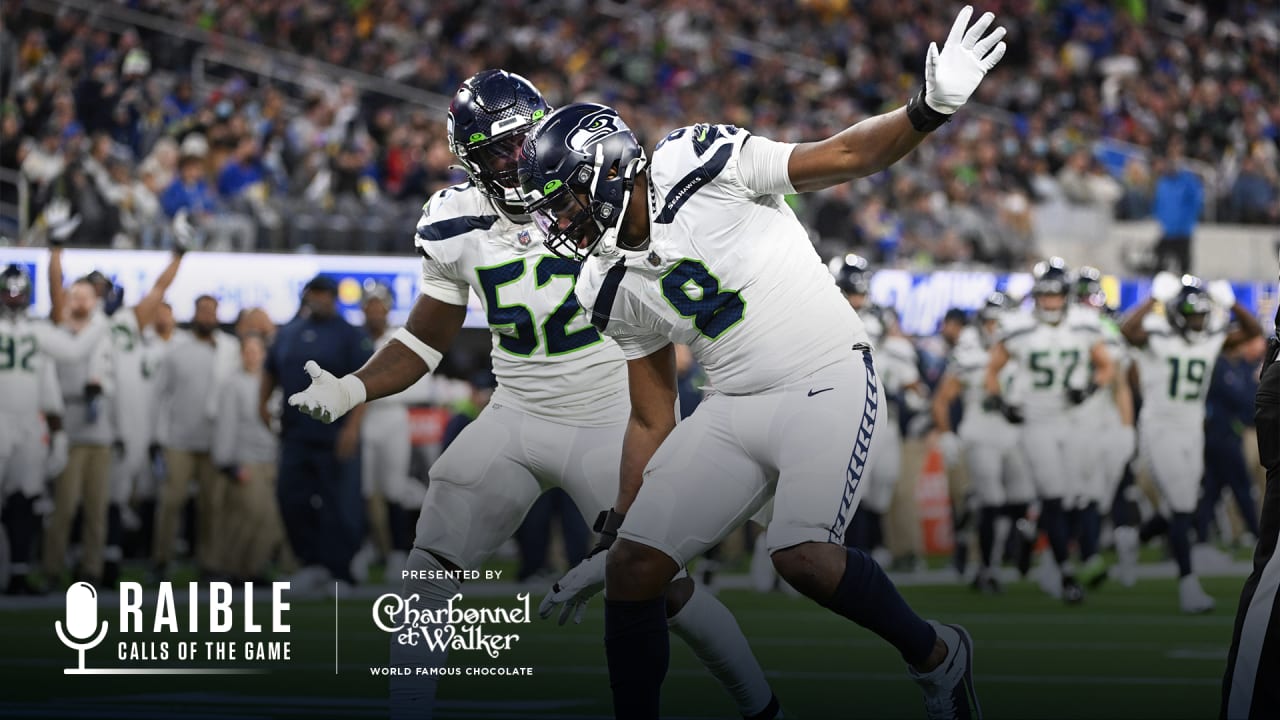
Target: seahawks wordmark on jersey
[728, 271]
[549, 360]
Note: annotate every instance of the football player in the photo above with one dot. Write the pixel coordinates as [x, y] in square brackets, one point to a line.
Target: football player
[989, 440]
[699, 247]
[1175, 357]
[28, 387]
[558, 414]
[1106, 438]
[1061, 361]
[900, 384]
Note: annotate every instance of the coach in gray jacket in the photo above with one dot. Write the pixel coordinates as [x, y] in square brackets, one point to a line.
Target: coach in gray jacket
[188, 377]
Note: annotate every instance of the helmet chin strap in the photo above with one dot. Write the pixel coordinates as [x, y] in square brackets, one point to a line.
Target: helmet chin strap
[608, 242]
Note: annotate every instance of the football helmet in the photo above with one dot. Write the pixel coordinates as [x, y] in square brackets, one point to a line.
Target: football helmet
[15, 290]
[1088, 288]
[577, 170]
[996, 305]
[112, 295]
[489, 116]
[852, 273]
[1189, 310]
[1052, 280]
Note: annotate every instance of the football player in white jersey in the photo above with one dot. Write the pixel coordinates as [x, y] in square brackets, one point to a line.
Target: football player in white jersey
[1106, 440]
[1175, 356]
[1061, 361]
[997, 468]
[28, 387]
[699, 247]
[900, 384]
[557, 416]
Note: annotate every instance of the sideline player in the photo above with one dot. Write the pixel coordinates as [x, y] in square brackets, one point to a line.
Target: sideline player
[560, 410]
[1061, 360]
[989, 440]
[699, 247]
[1176, 355]
[28, 386]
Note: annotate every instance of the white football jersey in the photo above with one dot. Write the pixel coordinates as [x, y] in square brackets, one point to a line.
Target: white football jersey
[27, 345]
[547, 357]
[1050, 358]
[728, 272]
[1174, 371]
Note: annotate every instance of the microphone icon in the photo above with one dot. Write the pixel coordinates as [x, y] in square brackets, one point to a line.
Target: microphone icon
[82, 622]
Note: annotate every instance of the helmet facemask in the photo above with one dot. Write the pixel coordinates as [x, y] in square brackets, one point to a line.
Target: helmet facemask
[576, 228]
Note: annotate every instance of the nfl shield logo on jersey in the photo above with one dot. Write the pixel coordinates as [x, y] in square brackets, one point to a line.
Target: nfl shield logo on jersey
[524, 238]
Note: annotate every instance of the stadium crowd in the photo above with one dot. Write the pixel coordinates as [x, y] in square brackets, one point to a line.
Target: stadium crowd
[1094, 93]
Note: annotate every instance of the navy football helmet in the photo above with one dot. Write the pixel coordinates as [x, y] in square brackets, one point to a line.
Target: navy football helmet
[852, 273]
[1189, 310]
[15, 290]
[997, 303]
[1089, 287]
[489, 117]
[577, 171]
[1052, 280]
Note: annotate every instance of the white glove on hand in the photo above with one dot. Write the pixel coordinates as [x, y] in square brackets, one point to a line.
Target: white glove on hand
[952, 75]
[59, 221]
[1165, 287]
[59, 451]
[184, 233]
[1222, 293]
[328, 398]
[575, 589]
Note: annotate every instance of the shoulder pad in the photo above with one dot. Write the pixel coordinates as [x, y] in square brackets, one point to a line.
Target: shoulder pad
[448, 218]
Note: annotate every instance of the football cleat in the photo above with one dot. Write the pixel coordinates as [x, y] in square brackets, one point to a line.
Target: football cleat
[1127, 555]
[1192, 598]
[948, 688]
[1072, 593]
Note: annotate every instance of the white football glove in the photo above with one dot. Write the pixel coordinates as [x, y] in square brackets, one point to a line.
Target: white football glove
[1165, 287]
[59, 451]
[575, 589]
[328, 398]
[1222, 293]
[952, 75]
[59, 221]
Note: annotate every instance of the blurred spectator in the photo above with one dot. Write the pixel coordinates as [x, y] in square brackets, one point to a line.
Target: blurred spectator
[1253, 197]
[244, 449]
[1078, 77]
[1177, 202]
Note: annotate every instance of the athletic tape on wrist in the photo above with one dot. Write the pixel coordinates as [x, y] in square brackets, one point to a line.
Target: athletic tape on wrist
[429, 355]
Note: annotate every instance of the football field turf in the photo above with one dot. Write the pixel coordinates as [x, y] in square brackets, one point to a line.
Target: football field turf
[1127, 653]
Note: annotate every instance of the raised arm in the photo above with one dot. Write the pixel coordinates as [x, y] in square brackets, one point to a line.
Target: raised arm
[1131, 328]
[652, 383]
[1104, 368]
[948, 390]
[874, 144]
[147, 308]
[57, 294]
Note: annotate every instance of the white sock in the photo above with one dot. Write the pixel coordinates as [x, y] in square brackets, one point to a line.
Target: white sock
[414, 695]
[707, 626]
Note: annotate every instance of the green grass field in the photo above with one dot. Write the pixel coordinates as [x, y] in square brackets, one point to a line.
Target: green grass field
[1127, 653]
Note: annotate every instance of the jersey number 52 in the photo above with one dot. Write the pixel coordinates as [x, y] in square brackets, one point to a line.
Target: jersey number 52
[524, 340]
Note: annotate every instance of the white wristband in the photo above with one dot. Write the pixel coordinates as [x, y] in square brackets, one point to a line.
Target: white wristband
[354, 387]
[429, 355]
